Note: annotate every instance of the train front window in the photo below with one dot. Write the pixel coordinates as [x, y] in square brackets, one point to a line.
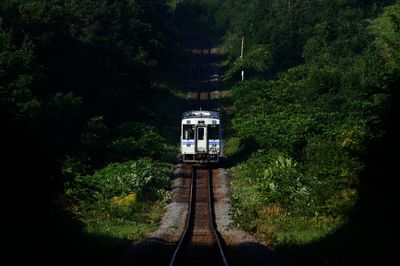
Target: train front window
[200, 133]
[213, 132]
[188, 132]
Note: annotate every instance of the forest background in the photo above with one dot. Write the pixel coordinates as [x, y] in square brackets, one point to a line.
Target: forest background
[311, 142]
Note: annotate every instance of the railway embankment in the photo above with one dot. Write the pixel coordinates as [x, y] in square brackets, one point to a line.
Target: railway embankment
[240, 246]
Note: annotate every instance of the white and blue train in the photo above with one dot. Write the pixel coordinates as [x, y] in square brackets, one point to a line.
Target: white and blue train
[200, 137]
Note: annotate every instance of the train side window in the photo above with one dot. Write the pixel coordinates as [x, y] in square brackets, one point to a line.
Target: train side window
[200, 133]
[188, 132]
[213, 132]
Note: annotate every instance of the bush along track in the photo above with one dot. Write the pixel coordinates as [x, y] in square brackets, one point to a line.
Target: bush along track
[124, 200]
[305, 118]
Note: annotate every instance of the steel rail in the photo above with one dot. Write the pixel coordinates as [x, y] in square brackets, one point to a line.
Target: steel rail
[208, 79]
[199, 77]
[201, 72]
[212, 219]
[188, 220]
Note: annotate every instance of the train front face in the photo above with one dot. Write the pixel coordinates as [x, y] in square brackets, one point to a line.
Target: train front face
[200, 137]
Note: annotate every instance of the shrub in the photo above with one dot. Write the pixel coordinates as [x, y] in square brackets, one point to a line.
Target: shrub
[272, 189]
[119, 187]
[133, 140]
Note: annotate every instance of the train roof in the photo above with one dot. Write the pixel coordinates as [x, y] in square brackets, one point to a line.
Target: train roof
[200, 114]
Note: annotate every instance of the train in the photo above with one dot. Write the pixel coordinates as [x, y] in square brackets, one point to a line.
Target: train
[200, 137]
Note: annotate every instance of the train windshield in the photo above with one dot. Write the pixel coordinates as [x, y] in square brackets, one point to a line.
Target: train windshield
[188, 132]
[200, 133]
[213, 132]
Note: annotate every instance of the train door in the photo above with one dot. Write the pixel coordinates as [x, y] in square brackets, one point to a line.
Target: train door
[201, 140]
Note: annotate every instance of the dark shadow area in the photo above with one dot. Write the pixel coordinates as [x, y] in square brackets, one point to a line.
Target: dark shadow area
[246, 148]
[166, 105]
[83, 62]
[198, 255]
[251, 253]
[149, 252]
[371, 235]
[37, 230]
[197, 18]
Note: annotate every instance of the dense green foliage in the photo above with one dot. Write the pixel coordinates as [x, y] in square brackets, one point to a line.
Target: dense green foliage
[144, 178]
[63, 69]
[84, 89]
[319, 82]
[119, 195]
[84, 85]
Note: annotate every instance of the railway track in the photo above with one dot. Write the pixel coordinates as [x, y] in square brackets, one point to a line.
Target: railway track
[200, 243]
[203, 93]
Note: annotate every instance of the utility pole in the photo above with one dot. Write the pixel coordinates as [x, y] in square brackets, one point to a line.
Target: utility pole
[241, 56]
